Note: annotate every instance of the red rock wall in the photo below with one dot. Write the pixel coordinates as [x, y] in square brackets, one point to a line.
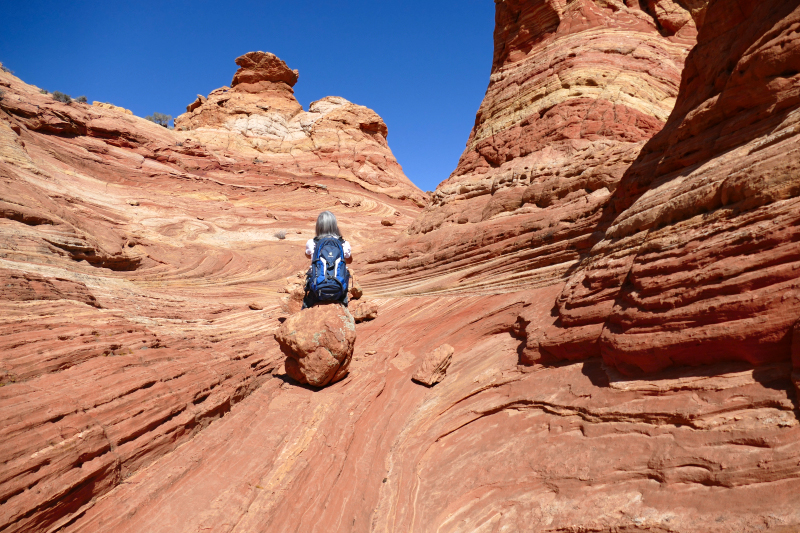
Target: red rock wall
[702, 263]
[140, 278]
[576, 89]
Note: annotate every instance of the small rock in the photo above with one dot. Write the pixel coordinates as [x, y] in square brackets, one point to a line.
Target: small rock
[434, 366]
[355, 288]
[255, 307]
[197, 103]
[133, 202]
[364, 311]
[387, 222]
[295, 288]
[370, 352]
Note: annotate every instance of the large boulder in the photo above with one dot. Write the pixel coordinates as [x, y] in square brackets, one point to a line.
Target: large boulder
[318, 344]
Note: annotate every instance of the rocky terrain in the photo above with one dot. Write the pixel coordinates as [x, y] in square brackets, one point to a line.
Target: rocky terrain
[614, 264]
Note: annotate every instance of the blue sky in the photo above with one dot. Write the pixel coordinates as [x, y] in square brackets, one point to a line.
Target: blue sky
[423, 66]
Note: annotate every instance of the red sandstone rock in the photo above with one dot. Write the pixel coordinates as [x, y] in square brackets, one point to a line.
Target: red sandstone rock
[364, 311]
[354, 288]
[434, 366]
[700, 263]
[318, 344]
[715, 452]
[128, 256]
[576, 89]
[100, 434]
[256, 67]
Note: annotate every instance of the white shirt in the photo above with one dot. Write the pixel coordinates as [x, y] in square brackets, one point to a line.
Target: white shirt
[310, 245]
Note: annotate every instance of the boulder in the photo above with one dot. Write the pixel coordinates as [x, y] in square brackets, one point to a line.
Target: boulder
[295, 290]
[434, 366]
[318, 344]
[364, 311]
[259, 66]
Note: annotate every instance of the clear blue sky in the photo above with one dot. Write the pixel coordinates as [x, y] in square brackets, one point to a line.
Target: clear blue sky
[422, 65]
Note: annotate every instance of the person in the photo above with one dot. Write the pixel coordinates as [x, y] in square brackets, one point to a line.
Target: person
[327, 235]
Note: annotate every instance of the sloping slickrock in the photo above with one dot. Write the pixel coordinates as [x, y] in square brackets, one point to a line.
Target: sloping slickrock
[702, 262]
[141, 393]
[128, 256]
[434, 366]
[259, 116]
[576, 89]
[318, 344]
[491, 448]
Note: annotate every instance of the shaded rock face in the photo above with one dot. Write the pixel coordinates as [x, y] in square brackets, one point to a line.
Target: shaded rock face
[701, 263]
[576, 89]
[258, 115]
[318, 344]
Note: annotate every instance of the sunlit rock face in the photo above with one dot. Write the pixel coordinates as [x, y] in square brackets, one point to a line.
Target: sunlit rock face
[140, 270]
[144, 273]
[576, 89]
[258, 115]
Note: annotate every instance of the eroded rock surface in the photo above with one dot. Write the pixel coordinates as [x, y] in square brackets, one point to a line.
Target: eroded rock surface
[434, 366]
[701, 263]
[130, 259]
[318, 344]
[259, 116]
[364, 311]
[576, 89]
[142, 390]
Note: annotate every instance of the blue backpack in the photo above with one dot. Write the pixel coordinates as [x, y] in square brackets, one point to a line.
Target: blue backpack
[328, 277]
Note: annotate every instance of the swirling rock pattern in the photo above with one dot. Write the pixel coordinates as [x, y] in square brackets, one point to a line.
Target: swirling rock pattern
[139, 278]
[141, 270]
[701, 263]
[576, 89]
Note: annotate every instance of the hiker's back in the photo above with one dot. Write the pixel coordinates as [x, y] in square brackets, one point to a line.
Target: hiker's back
[328, 276]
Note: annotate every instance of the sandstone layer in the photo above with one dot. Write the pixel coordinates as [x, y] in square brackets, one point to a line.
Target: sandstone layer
[701, 263]
[139, 278]
[142, 270]
[576, 89]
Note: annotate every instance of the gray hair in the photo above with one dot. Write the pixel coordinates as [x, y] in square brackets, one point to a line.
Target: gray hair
[327, 225]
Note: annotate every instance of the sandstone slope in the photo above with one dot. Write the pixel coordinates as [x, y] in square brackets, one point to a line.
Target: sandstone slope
[129, 257]
[119, 235]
